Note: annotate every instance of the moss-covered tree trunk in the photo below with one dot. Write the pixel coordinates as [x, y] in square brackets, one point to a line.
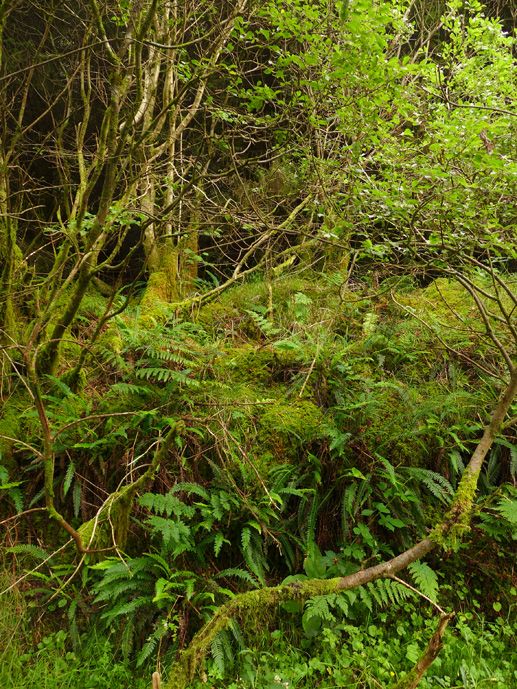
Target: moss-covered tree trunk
[9, 251]
[9, 256]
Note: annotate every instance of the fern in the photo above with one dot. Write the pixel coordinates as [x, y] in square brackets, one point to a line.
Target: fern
[112, 358]
[161, 375]
[384, 592]
[166, 504]
[316, 613]
[245, 539]
[239, 574]
[127, 640]
[12, 488]
[69, 475]
[425, 578]
[170, 356]
[319, 607]
[265, 326]
[435, 483]
[28, 549]
[189, 488]
[151, 643]
[125, 609]
[217, 651]
[508, 509]
[253, 555]
[219, 541]
[176, 535]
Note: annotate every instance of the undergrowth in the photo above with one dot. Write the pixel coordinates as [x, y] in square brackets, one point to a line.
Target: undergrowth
[322, 428]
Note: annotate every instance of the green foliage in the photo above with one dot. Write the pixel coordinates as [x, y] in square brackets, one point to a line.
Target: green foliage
[33, 656]
[331, 399]
[370, 651]
[425, 579]
[508, 509]
[12, 489]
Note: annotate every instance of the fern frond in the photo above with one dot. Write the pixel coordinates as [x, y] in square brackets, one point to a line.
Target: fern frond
[126, 608]
[167, 504]
[28, 549]
[175, 357]
[425, 578]
[319, 607]
[217, 651]
[69, 475]
[435, 483]
[128, 634]
[508, 508]
[151, 643]
[161, 375]
[189, 488]
[239, 574]
[265, 326]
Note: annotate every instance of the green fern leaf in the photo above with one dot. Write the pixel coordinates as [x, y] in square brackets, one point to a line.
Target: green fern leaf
[435, 483]
[245, 539]
[219, 541]
[189, 488]
[425, 578]
[239, 574]
[125, 609]
[28, 549]
[69, 475]
[365, 597]
[508, 508]
[217, 651]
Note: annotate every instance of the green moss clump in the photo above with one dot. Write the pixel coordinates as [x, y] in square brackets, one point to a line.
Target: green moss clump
[300, 421]
[218, 316]
[261, 365]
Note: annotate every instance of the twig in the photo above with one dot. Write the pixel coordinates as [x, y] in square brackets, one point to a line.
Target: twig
[415, 590]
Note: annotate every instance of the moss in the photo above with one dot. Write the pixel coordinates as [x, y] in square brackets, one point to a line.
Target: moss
[449, 309]
[262, 365]
[162, 288]
[456, 524]
[219, 316]
[155, 303]
[111, 339]
[111, 525]
[300, 421]
[93, 304]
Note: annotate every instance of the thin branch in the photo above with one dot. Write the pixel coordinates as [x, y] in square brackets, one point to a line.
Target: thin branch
[418, 592]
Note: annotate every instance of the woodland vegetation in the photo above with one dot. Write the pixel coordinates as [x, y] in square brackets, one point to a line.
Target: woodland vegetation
[258, 344]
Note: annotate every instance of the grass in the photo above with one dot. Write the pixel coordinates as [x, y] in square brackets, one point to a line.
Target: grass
[33, 659]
